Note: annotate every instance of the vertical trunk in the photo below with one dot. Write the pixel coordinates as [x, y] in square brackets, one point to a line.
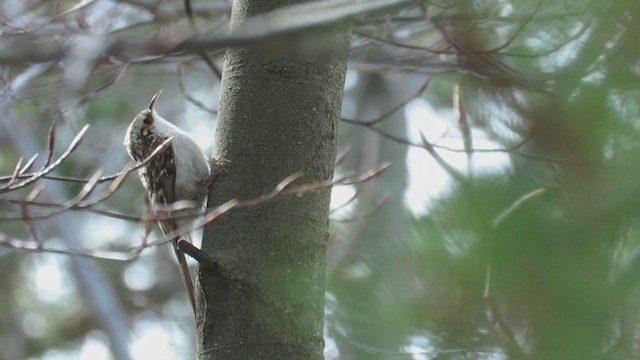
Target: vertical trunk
[279, 111]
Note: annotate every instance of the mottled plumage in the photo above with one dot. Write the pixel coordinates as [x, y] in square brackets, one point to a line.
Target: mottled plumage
[177, 174]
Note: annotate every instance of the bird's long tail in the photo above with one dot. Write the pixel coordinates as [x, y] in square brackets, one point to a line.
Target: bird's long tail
[167, 227]
[185, 274]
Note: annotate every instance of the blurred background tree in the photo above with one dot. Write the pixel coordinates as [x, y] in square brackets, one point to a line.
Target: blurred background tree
[517, 117]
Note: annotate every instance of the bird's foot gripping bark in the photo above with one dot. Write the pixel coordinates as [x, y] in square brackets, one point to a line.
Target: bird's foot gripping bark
[217, 167]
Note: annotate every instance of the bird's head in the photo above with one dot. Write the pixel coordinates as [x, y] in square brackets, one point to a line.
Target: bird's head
[143, 125]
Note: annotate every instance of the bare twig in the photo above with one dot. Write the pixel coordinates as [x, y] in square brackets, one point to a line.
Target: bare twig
[520, 28]
[107, 178]
[510, 150]
[84, 193]
[363, 215]
[511, 342]
[443, 164]
[283, 188]
[257, 29]
[14, 174]
[556, 48]
[52, 144]
[28, 220]
[391, 111]
[27, 167]
[463, 125]
[516, 204]
[71, 148]
[190, 98]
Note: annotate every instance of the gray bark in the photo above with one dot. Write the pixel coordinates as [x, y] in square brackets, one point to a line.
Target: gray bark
[279, 111]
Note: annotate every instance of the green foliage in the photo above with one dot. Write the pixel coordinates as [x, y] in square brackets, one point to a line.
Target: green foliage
[540, 260]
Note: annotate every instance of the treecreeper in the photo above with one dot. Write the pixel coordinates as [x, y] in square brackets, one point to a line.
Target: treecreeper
[175, 178]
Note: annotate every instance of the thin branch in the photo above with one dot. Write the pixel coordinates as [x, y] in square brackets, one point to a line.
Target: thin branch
[210, 64]
[363, 215]
[78, 207]
[512, 150]
[52, 144]
[80, 202]
[107, 178]
[14, 174]
[434, 50]
[460, 110]
[84, 193]
[291, 19]
[24, 209]
[391, 111]
[516, 204]
[342, 155]
[27, 167]
[283, 188]
[556, 48]
[190, 98]
[72, 147]
[189, 10]
[511, 341]
[353, 198]
[523, 24]
[443, 164]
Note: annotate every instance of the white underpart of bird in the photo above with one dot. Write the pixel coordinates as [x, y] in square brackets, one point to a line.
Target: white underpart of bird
[177, 175]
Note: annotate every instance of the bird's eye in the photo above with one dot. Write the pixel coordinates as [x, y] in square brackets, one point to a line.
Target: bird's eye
[147, 120]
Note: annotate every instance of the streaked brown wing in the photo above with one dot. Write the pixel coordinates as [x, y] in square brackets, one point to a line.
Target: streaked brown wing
[160, 178]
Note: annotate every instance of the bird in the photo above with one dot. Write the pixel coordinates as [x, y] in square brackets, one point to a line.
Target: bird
[177, 175]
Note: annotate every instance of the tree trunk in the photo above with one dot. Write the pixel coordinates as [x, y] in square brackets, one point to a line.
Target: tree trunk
[279, 111]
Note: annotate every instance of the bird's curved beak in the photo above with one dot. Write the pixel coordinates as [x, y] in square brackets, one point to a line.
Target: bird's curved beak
[154, 100]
